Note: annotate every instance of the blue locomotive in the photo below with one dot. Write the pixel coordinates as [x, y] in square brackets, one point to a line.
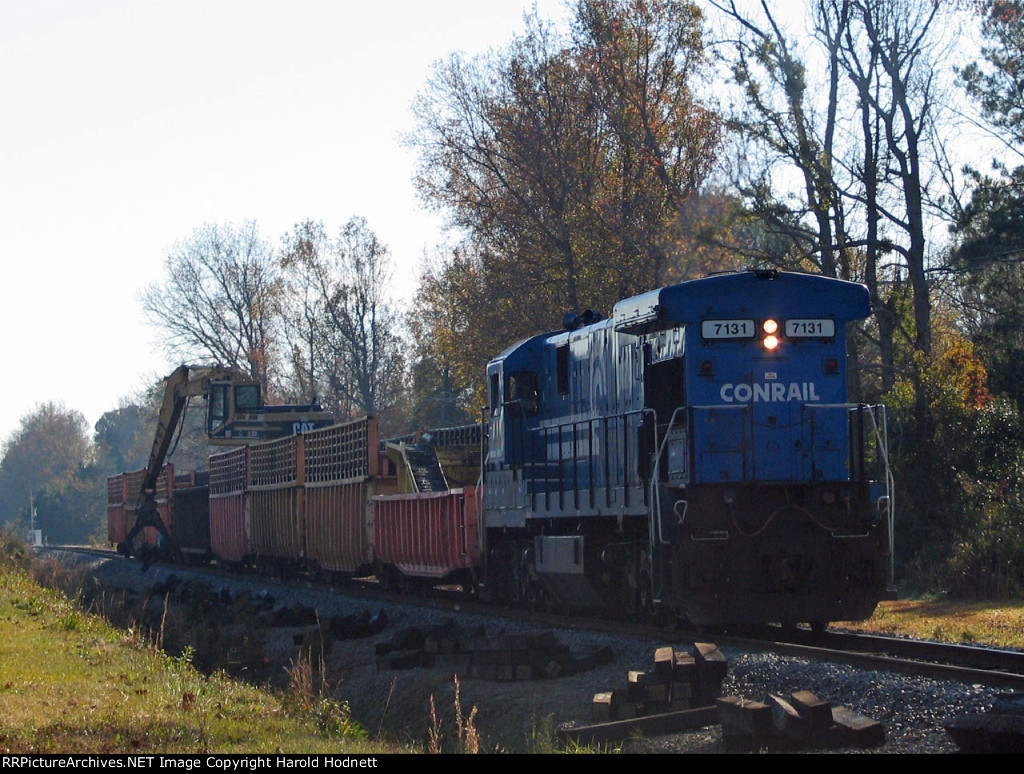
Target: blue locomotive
[695, 453]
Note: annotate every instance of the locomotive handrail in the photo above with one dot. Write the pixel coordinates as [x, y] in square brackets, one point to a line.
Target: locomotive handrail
[655, 496]
[882, 442]
[886, 503]
[596, 427]
[656, 526]
[880, 432]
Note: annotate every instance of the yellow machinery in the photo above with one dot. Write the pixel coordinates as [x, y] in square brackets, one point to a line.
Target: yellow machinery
[235, 416]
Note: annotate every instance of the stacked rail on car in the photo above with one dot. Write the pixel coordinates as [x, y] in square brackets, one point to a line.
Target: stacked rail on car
[295, 504]
[322, 503]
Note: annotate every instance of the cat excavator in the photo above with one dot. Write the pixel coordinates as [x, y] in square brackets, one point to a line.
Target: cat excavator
[235, 416]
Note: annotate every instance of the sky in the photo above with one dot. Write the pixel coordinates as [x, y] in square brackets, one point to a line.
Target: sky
[125, 125]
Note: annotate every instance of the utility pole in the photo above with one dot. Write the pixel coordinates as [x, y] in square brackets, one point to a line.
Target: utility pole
[35, 537]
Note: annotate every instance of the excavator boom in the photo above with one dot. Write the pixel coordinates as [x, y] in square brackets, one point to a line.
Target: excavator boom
[236, 415]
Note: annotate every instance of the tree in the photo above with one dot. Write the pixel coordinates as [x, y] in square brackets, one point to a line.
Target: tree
[808, 169]
[565, 160]
[454, 333]
[961, 495]
[507, 146]
[990, 228]
[900, 36]
[122, 438]
[348, 325]
[50, 454]
[780, 116]
[73, 511]
[217, 302]
[643, 60]
[998, 83]
[867, 190]
[304, 306]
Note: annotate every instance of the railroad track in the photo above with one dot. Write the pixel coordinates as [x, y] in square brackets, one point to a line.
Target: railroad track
[996, 667]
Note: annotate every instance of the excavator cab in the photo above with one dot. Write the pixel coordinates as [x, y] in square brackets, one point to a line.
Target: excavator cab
[225, 401]
[236, 414]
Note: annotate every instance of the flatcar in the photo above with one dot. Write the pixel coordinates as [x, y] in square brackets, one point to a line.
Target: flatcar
[695, 453]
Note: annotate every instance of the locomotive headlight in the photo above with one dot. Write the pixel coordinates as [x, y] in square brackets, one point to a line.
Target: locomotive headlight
[770, 327]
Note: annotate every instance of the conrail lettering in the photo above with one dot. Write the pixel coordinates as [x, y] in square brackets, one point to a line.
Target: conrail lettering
[775, 392]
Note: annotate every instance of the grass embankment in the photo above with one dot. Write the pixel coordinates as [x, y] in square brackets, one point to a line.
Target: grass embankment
[1000, 624]
[71, 683]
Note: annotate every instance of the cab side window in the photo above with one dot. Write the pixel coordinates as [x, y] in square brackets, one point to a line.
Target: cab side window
[562, 369]
[495, 390]
[522, 392]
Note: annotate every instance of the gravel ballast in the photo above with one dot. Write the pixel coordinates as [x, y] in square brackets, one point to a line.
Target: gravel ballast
[519, 715]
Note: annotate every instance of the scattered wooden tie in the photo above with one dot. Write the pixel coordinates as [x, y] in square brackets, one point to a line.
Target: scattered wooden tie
[1001, 730]
[678, 694]
[477, 654]
[683, 693]
[800, 720]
